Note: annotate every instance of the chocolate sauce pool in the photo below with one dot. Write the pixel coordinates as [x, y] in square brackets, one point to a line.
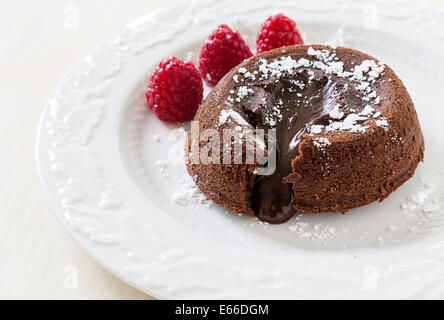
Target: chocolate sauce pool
[304, 98]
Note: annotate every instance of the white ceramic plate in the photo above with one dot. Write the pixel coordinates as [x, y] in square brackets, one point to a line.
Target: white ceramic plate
[110, 167]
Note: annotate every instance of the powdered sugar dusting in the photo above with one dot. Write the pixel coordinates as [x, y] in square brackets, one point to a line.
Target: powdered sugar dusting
[243, 92]
[188, 193]
[227, 115]
[162, 166]
[321, 143]
[350, 124]
[423, 203]
[361, 76]
[382, 123]
[336, 113]
[317, 231]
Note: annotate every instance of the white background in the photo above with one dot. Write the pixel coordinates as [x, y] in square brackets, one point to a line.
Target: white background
[39, 40]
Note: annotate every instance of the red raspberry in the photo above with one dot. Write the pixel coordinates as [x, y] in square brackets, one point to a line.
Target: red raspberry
[276, 32]
[223, 50]
[175, 90]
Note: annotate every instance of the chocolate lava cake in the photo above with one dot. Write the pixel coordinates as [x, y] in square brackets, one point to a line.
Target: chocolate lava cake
[346, 129]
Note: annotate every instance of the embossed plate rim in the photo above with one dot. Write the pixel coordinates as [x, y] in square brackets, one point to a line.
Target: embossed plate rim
[114, 257]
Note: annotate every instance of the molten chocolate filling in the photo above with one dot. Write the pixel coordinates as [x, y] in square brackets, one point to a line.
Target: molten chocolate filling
[291, 103]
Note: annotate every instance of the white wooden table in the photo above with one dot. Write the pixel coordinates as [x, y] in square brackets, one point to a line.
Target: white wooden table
[39, 40]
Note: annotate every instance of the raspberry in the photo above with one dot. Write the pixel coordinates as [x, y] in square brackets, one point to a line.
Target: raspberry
[223, 50]
[175, 90]
[276, 32]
